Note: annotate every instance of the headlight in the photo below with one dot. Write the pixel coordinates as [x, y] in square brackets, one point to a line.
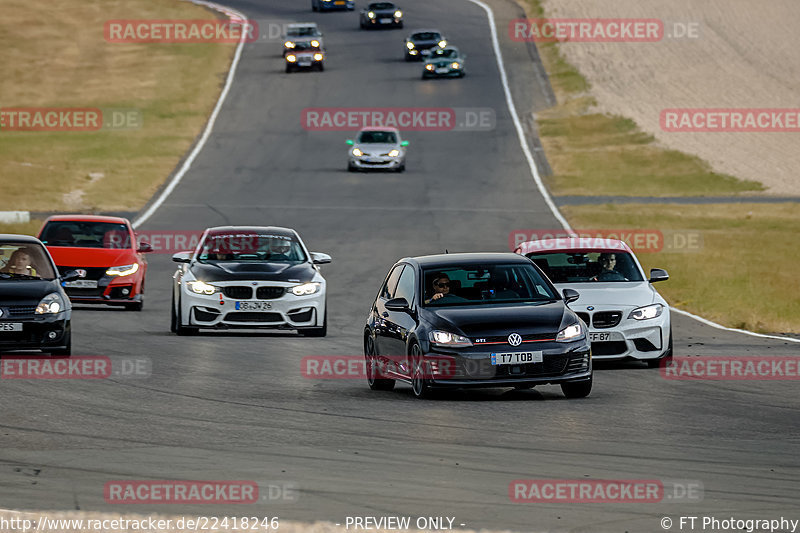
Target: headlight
[124, 270]
[371, 15]
[570, 333]
[50, 304]
[428, 67]
[315, 43]
[291, 58]
[288, 44]
[445, 338]
[357, 152]
[442, 43]
[317, 57]
[201, 287]
[305, 288]
[398, 14]
[646, 312]
[394, 153]
[410, 45]
[455, 65]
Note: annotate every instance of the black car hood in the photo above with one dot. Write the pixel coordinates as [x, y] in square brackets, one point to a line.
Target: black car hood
[485, 321]
[245, 271]
[25, 292]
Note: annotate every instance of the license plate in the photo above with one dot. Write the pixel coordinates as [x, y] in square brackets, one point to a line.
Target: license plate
[339, 2]
[81, 284]
[426, 52]
[10, 326]
[516, 358]
[385, 21]
[305, 63]
[253, 306]
[442, 70]
[599, 336]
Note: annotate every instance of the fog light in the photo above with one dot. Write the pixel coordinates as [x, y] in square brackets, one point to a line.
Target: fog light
[126, 292]
[52, 335]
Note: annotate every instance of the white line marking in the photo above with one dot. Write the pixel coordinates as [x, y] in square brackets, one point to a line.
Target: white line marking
[176, 179]
[540, 185]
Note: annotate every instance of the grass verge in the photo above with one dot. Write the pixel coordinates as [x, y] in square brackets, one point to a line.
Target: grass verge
[55, 55]
[741, 274]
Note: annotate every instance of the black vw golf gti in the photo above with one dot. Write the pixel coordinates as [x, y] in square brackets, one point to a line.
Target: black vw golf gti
[474, 320]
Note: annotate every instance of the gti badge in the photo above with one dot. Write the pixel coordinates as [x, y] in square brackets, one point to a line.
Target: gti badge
[515, 339]
[81, 273]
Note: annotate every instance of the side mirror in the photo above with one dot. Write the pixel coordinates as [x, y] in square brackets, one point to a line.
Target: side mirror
[398, 304]
[404, 143]
[182, 257]
[658, 274]
[145, 248]
[72, 275]
[349, 142]
[570, 295]
[318, 258]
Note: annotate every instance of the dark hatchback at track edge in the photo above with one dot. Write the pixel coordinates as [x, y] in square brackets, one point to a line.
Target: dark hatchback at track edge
[35, 311]
[474, 320]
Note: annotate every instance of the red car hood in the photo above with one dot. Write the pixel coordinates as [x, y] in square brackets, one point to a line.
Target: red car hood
[91, 257]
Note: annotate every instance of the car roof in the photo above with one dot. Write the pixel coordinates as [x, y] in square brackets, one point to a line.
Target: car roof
[274, 230]
[379, 128]
[374, 3]
[87, 218]
[426, 31]
[451, 260]
[19, 238]
[573, 244]
[301, 25]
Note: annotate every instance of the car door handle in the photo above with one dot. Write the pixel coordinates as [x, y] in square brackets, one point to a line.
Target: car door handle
[385, 314]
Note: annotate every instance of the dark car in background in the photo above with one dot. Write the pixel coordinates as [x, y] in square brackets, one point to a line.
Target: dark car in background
[381, 15]
[444, 63]
[331, 5]
[474, 320]
[34, 309]
[419, 44]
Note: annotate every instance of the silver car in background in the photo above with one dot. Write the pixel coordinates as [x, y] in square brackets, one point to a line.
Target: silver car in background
[377, 149]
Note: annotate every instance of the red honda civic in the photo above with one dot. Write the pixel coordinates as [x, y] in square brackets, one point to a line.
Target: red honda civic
[104, 252]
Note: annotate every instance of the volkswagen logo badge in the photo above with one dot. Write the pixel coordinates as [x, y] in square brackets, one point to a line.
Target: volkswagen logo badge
[81, 272]
[590, 308]
[515, 339]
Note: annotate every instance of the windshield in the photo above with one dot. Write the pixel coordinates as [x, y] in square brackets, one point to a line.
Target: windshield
[379, 137]
[308, 31]
[381, 5]
[485, 285]
[86, 234]
[426, 36]
[24, 261]
[244, 247]
[448, 53]
[587, 267]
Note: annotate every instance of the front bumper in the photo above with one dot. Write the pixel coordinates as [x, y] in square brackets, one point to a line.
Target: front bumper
[439, 73]
[381, 21]
[44, 332]
[376, 163]
[631, 339]
[420, 54]
[109, 290]
[561, 363]
[286, 312]
[336, 4]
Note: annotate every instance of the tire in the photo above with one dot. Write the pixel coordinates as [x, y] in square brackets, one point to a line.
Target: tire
[173, 317]
[351, 168]
[375, 379]
[408, 58]
[400, 25]
[64, 352]
[580, 389]
[180, 329]
[317, 332]
[321, 67]
[655, 363]
[288, 69]
[401, 168]
[135, 306]
[420, 385]
[314, 7]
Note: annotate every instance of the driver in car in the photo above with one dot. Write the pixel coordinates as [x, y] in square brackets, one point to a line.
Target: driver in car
[441, 289]
[20, 262]
[609, 272]
[279, 250]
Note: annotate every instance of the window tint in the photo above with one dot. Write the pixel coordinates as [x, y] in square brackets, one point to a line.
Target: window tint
[86, 234]
[391, 283]
[405, 287]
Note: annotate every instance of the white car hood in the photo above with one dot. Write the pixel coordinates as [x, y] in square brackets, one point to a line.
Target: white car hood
[618, 293]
